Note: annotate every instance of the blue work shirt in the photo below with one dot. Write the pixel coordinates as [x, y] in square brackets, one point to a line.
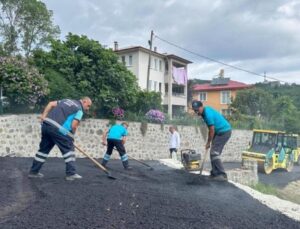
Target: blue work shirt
[213, 118]
[65, 112]
[117, 132]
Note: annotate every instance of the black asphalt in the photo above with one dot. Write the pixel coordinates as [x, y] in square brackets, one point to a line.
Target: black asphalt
[141, 198]
[280, 178]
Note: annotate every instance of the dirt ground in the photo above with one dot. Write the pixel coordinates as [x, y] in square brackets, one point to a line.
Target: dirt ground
[141, 198]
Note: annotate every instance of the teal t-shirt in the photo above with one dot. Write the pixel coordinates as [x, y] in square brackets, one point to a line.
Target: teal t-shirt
[213, 118]
[117, 132]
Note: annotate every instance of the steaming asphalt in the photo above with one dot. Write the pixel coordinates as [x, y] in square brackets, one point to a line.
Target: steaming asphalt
[162, 198]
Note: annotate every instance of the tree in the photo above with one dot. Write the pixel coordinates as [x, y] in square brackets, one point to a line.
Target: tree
[253, 102]
[146, 101]
[21, 83]
[10, 17]
[25, 25]
[91, 70]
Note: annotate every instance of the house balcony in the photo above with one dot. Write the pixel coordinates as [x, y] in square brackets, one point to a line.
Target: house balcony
[179, 99]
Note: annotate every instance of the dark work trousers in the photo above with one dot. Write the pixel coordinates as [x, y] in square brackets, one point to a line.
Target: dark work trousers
[51, 137]
[111, 143]
[172, 150]
[217, 146]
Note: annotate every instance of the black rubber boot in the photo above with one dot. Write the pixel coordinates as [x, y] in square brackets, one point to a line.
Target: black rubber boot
[126, 165]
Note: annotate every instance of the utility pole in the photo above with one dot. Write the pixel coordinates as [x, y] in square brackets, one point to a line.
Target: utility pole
[149, 62]
[1, 106]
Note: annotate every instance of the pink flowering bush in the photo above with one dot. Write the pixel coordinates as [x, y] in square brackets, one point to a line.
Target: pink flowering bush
[21, 83]
[118, 113]
[155, 116]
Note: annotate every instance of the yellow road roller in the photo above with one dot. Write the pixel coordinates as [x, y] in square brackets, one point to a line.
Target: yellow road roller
[272, 150]
[294, 142]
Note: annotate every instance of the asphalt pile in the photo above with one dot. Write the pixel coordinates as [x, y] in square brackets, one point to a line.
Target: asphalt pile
[140, 198]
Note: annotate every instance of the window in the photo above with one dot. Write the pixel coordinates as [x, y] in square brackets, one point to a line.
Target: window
[155, 64]
[166, 88]
[160, 65]
[150, 85]
[159, 87]
[203, 96]
[130, 60]
[154, 86]
[177, 90]
[225, 97]
[124, 60]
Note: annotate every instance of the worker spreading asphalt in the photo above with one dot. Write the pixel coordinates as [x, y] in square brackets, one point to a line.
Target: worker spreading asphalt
[139, 198]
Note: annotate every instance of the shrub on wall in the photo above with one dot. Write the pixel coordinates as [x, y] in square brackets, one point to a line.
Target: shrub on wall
[118, 113]
[155, 116]
[22, 84]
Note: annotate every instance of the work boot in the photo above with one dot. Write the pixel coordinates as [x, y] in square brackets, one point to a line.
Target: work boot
[221, 177]
[73, 177]
[35, 175]
[128, 168]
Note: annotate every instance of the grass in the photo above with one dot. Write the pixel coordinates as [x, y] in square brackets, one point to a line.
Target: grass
[282, 194]
[266, 189]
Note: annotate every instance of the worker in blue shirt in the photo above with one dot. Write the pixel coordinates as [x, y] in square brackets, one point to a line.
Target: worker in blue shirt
[218, 135]
[59, 120]
[115, 137]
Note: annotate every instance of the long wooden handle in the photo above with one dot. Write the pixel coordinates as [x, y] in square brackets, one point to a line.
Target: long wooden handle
[92, 159]
[139, 161]
[204, 159]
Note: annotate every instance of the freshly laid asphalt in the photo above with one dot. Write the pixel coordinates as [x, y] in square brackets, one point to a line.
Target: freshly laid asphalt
[141, 198]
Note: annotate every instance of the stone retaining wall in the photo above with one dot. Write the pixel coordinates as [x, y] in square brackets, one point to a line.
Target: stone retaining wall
[20, 136]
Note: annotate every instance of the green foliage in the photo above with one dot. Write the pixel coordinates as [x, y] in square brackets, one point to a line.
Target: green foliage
[24, 25]
[291, 91]
[58, 86]
[21, 83]
[146, 101]
[253, 102]
[266, 189]
[258, 108]
[90, 70]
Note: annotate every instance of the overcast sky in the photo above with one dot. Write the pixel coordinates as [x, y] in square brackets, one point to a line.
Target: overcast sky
[256, 35]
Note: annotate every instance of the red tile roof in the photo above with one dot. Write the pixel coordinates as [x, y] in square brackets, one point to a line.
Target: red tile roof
[232, 85]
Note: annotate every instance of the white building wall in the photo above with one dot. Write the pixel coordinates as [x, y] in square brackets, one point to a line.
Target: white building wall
[139, 68]
[134, 67]
[156, 75]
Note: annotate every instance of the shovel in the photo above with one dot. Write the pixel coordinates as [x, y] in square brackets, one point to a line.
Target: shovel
[54, 123]
[96, 162]
[143, 163]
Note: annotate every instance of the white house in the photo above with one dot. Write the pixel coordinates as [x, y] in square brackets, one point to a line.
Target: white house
[168, 74]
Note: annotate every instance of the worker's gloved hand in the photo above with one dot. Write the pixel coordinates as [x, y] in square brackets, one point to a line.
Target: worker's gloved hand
[63, 130]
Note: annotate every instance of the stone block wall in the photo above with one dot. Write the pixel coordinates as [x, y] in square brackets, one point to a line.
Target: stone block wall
[20, 136]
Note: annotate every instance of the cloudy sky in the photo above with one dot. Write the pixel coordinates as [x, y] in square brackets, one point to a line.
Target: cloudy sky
[259, 36]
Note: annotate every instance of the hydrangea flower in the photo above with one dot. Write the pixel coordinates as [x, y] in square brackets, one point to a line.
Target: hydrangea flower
[155, 116]
[118, 112]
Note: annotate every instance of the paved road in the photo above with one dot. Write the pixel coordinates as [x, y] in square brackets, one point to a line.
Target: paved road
[162, 198]
[280, 178]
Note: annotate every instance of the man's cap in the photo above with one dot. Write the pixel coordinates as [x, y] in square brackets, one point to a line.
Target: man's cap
[196, 104]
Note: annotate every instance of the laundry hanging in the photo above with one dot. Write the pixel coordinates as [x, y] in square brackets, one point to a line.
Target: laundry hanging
[179, 75]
